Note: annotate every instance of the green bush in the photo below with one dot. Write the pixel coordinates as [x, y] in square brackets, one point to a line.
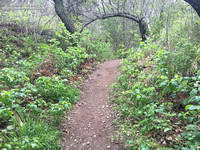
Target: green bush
[55, 90]
[98, 46]
[35, 82]
[70, 59]
[182, 60]
[157, 94]
[76, 56]
[34, 134]
[10, 78]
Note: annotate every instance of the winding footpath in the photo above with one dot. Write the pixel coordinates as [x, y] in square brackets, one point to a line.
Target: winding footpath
[89, 125]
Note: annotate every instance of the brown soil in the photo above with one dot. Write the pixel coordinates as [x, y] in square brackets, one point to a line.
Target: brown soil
[89, 125]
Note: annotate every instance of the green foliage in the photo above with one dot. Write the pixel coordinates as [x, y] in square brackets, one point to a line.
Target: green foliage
[121, 32]
[99, 46]
[34, 134]
[76, 56]
[158, 95]
[195, 32]
[55, 89]
[182, 60]
[36, 77]
[66, 39]
[36, 86]
[10, 78]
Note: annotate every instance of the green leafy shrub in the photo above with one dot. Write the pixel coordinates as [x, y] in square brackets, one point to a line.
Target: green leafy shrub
[35, 82]
[10, 78]
[98, 46]
[66, 39]
[158, 95]
[11, 104]
[72, 58]
[76, 56]
[181, 61]
[55, 89]
[34, 134]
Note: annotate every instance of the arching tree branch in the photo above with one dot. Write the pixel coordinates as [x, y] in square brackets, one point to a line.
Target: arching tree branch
[64, 15]
[106, 16]
[140, 21]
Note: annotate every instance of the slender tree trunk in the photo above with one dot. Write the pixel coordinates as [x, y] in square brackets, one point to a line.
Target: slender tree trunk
[65, 18]
[144, 30]
[195, 4]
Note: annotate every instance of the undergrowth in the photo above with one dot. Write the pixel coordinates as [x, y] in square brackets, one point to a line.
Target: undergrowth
[157, 96]
[39, 81]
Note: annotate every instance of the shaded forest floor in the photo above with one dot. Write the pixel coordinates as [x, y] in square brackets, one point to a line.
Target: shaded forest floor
[89, 125]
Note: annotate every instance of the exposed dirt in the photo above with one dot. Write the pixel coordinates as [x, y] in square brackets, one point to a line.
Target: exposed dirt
[89, 125]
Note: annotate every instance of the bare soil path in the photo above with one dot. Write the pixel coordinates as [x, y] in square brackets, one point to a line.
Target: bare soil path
[89, 126]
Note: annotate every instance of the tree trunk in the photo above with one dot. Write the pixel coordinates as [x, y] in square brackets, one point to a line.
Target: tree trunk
[144, 29]
[65, 18]
[195, 4]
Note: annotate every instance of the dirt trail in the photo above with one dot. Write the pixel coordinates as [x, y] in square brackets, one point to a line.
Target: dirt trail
[89, 126]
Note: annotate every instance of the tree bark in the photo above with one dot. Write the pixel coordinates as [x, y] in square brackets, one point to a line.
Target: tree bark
[65, 18]
[195, 4]
[144, 30]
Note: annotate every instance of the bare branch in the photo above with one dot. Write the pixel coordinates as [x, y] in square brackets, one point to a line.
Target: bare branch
[106, 16]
